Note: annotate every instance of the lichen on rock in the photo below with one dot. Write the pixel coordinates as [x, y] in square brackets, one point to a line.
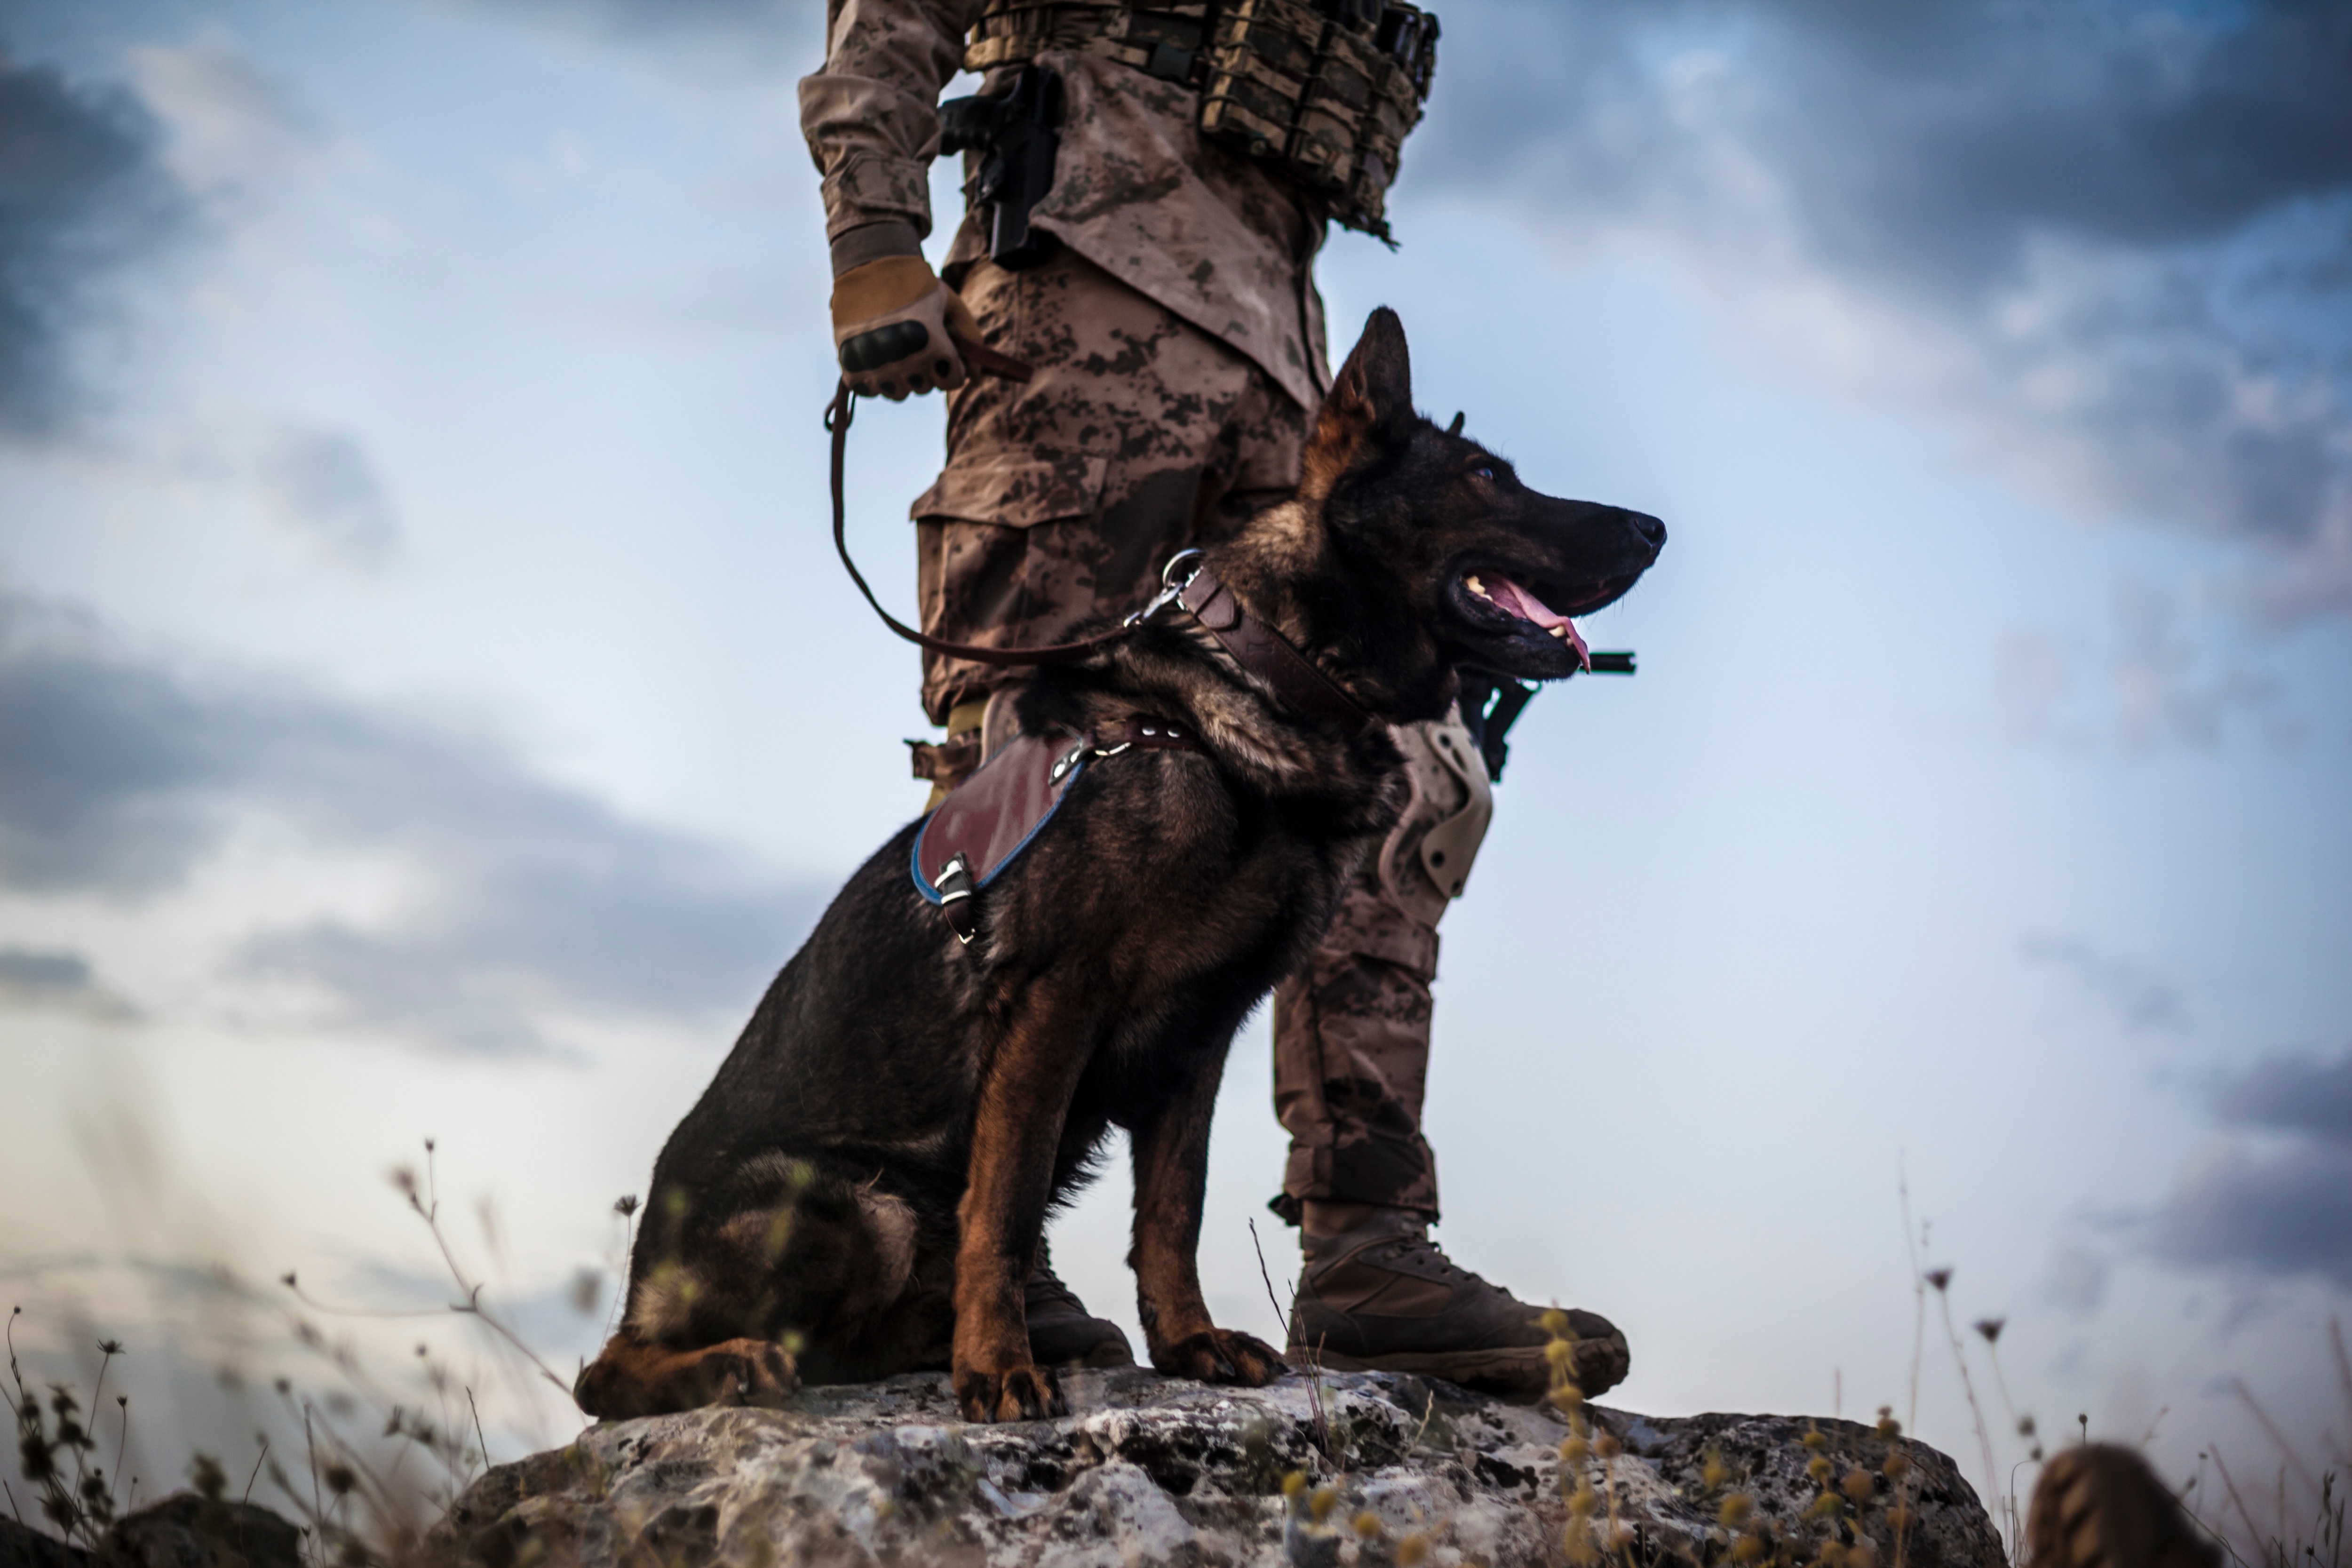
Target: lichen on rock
[1347, 1469]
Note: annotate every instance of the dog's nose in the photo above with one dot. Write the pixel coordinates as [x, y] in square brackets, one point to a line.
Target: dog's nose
[1651, 530]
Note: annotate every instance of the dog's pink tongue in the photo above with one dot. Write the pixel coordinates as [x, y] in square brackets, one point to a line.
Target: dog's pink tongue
[1527, 608]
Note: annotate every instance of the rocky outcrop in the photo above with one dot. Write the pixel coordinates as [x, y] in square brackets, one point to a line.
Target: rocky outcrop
[1348, 1468]
[184, 1531]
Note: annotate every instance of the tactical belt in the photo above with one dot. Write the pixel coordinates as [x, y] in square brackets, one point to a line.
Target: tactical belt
[1325, 92]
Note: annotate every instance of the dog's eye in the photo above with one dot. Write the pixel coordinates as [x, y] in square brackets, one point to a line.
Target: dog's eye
[1482, 472]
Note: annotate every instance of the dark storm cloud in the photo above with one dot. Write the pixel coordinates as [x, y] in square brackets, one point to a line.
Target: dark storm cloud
[120, 778]
[113, 776]
[55, 978]
[83, 193]
[2281, 1206]
[1938, 139]
[2288, 1213]
[2133, 220]
[2292, 1094]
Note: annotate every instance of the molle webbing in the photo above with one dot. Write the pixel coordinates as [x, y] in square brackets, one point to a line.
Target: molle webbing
[1164, 41]
[1325, 92]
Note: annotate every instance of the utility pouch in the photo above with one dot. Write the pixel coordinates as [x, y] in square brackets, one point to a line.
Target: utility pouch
[1327, 90]
[1018, 136]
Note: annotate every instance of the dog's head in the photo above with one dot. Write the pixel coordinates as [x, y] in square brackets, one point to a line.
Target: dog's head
[1427, 551]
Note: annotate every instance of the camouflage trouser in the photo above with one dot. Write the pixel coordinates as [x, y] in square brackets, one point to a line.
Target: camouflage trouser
[1062, 498]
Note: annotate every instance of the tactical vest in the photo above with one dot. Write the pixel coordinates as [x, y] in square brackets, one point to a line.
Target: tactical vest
[1326, 90]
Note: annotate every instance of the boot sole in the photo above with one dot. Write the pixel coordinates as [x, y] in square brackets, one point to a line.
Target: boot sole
[1523, 1371]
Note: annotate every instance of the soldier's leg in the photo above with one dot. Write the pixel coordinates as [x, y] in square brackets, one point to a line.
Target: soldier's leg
[1352, 1062]
[1063, 496]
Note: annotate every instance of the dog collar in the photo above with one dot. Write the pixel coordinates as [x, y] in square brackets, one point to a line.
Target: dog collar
[1257, 646]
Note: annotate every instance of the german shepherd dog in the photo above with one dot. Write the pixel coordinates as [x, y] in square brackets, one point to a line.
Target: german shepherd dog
[862, 1190]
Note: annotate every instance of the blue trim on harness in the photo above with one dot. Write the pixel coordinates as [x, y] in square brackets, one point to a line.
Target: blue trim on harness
[915, 850]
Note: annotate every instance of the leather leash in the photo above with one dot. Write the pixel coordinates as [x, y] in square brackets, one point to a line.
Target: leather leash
[1257, 646]
[837, 415]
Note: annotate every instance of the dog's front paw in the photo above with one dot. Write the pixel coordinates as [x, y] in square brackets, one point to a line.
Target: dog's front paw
[1020, 1393]
[748, 1371]
[1221, 1356]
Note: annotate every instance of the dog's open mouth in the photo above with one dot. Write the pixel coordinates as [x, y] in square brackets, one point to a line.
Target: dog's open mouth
[1511, 600]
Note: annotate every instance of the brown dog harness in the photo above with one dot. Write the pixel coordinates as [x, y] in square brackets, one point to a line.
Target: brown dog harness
[991, 817]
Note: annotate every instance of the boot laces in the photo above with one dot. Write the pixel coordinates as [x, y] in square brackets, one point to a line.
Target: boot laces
[1411, 1245]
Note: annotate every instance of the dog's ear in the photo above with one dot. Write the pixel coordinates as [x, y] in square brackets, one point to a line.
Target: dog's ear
[1372, 397]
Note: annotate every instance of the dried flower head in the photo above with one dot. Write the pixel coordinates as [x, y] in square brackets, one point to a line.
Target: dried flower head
[1939, 1277]
[625, 1205]
[1990, 1328]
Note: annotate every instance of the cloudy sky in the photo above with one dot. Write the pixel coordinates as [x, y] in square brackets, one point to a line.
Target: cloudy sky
[427, 706]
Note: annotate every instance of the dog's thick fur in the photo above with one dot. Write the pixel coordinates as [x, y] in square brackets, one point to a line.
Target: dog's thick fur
[862, 1189]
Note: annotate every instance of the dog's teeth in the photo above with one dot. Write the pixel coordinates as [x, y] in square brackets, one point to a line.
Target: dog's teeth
[1476, 587]
[1559, 631]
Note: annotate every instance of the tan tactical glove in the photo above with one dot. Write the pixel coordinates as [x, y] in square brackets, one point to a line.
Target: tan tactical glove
[891, 325]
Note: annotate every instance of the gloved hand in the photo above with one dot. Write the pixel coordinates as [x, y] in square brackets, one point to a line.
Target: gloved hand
[891, 319]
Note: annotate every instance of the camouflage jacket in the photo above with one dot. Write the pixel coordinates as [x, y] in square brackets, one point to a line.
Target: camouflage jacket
[1211, 236]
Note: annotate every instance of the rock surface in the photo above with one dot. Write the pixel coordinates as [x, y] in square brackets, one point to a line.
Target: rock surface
[1380, 1468]
[181, 1531]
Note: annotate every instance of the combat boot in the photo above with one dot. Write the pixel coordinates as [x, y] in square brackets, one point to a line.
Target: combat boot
[1062, 1333]
[1378, 1294]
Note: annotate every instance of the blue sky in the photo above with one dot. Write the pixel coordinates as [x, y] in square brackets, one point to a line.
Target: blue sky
[430, 706]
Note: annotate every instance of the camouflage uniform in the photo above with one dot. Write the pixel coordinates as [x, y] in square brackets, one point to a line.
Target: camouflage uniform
[1178, 341]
